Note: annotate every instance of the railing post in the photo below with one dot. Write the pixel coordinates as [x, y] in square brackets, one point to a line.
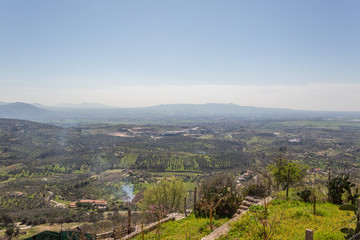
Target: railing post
[309, 234]
[195, 190]
[129, 221]
[185, 207]
[358, 216]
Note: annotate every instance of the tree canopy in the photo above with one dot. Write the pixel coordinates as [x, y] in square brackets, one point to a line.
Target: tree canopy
[166, 196]
[282, 168]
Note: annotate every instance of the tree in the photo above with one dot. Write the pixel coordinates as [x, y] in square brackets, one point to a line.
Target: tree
[7, 219]
[218, 196]
[163, 198]
[266, 175]
[304, 195]
[84, 205]
[167, 196]
[286, 173]
[10, 231]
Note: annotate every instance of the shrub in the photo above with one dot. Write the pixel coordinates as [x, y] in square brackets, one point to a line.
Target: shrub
[59, 220]
[255, 189]
[35, 222]
[219, 188]
[337, 187]
[304, 195]
[29, 221]
[350, 232]
[24, 220]
[7, 219]
[9, 231]
[95, 217]
[68, 219]
[286, 172]
[165, 197]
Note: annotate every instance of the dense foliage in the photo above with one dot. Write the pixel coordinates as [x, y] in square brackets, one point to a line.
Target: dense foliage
[218, 194]
[286, 172]
[338, 185]
[165, 197]
[304, 195]
[350, 232]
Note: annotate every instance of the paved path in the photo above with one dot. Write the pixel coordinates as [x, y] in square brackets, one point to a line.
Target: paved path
[57, 204]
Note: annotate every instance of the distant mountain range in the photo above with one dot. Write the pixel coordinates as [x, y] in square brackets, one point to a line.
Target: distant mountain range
[82, 105]
[24, 111]
[91, 111]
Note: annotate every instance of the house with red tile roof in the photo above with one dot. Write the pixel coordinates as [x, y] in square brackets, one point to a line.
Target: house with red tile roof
[100, 204]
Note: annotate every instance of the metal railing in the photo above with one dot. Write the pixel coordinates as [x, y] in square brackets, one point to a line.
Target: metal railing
[356, 237]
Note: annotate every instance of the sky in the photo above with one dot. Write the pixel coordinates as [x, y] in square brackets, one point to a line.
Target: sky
[301, 54]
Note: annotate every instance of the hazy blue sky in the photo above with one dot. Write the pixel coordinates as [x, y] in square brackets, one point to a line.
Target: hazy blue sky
[301, 54]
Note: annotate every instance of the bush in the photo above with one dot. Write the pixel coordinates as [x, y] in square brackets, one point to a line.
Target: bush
[68, 219]
[7, 219]
[338, 185]
[165, 197]
[35, 222]
[218, 188]
[42, 220]
[95, 217]
[24, 220]
[59, 220]
[9, 231]
[256, 190]
[304, 195]
[29, 221]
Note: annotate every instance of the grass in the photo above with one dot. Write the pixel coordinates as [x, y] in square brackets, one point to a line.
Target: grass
[258, 140]
[207, 136]
[190, 185]
[187, 228]
[57, 199]
[293, 218]
[128, 160]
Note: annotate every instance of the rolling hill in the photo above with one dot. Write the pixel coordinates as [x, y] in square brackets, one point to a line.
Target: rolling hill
[92, 111]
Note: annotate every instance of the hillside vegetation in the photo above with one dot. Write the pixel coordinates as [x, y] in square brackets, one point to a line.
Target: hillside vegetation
[292, 218]
[42, 165]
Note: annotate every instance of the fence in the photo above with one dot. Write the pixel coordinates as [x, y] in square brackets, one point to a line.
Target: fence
[356, 237]
[134, 225]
